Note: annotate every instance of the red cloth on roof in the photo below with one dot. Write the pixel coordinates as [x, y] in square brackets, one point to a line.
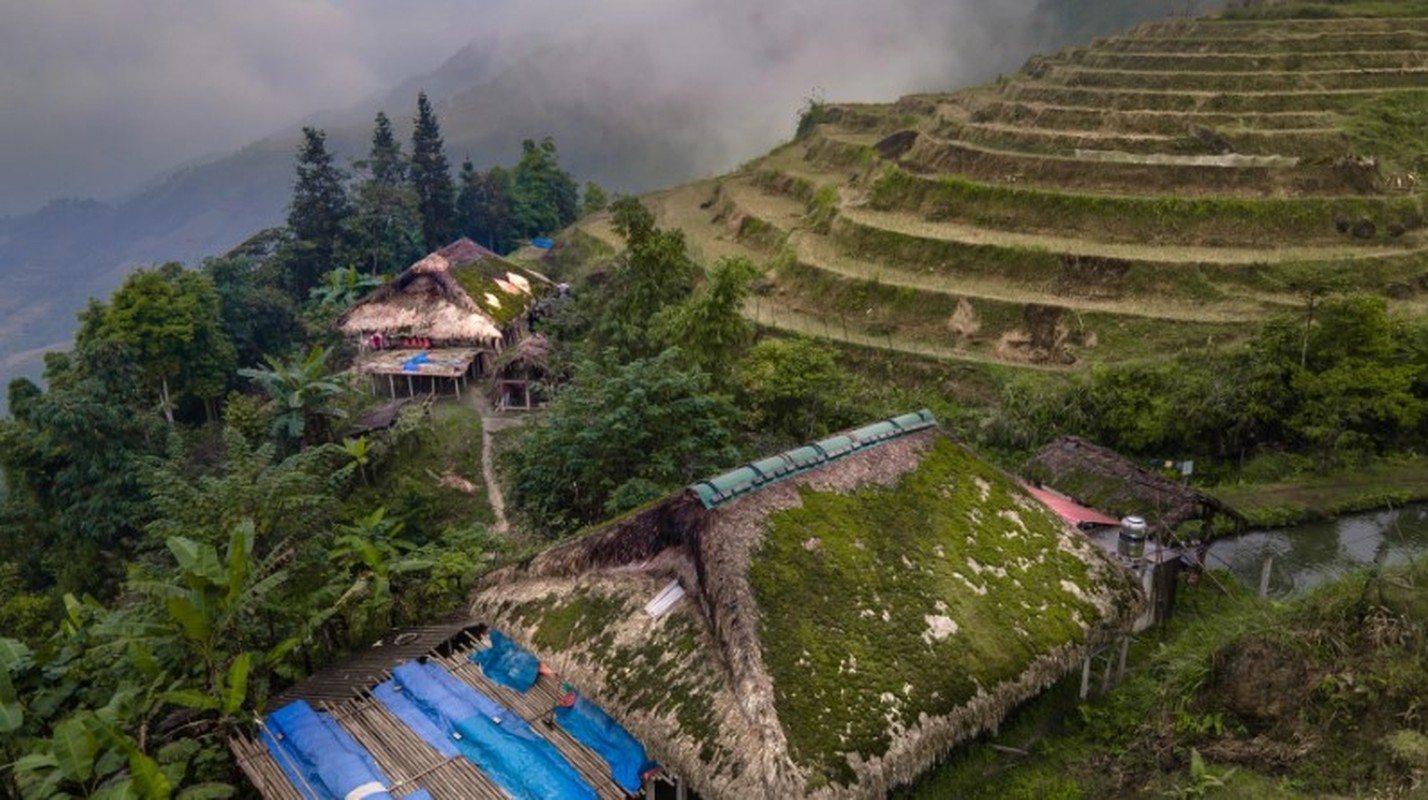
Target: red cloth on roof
[1071, 511]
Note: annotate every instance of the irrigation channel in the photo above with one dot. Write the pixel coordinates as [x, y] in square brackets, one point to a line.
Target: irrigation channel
[1304, 556]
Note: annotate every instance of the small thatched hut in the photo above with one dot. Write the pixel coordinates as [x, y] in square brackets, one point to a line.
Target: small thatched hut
[824, 623]
[522, 374]
[1104, 479]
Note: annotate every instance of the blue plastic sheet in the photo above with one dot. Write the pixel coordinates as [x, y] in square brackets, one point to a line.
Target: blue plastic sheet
[321, 760]
[412, 716]
[507, 664]
[497, 741]
[592, 727]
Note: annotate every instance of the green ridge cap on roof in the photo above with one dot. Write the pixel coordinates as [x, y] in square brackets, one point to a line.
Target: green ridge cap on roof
[720, 489]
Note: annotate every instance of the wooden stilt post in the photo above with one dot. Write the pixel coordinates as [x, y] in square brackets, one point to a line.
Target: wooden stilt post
[1125, 650]
[1086, 676]
[1264, 577]
[1106, 676]
[410, 386]
[392, 385]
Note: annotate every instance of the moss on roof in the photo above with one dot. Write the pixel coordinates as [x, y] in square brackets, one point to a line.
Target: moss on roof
[478, 279]
[888, 603]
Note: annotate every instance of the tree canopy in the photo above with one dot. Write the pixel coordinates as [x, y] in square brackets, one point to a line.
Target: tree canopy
[431, 179]
[317, 213]
[384, 232]
[620, 436]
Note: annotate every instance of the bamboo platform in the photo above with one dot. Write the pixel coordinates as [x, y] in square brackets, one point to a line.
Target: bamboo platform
[408, 761]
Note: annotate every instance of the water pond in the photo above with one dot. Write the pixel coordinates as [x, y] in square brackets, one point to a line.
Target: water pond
[1307, 555]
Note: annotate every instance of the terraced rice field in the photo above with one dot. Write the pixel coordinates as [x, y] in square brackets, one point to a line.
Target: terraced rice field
[1151, 193]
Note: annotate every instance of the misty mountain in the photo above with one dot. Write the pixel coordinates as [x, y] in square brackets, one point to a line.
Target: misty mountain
[626, 110]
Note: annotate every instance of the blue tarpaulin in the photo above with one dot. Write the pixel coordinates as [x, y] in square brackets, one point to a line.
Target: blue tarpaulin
[592, 727]
[414, 363]
[507, 664]
[414, 718]
[321, 760]
[496, 740]
[544, 244]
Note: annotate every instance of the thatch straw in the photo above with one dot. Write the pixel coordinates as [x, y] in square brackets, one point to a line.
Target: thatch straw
[530, 358]
[429, 299]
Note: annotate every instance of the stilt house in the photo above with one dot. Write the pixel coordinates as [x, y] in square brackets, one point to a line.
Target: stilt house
[444, 319]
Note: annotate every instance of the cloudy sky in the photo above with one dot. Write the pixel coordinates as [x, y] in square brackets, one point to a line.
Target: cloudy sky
[97, 96]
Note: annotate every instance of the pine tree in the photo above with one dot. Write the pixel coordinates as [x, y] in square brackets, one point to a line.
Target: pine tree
[316, 215]
[484, 207]
[431, 178]
[385, 232]
[385, 163]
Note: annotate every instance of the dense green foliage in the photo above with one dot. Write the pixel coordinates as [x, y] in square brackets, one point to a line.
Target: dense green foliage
[500, 207]
[544, 198]
[484, 207]
[620, 435]
[168, 321]
[180, 538]
[1339, 383]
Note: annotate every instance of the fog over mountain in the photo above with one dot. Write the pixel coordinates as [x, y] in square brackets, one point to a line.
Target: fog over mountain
[182, 117]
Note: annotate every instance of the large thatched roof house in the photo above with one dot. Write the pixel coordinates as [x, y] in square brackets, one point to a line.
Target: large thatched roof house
[442, 319]
[462, 294]
[823, 623]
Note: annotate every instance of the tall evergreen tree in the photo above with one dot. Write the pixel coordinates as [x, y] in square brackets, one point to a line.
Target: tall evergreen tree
[385, 230]
[385, 163]
[544, 198]
[431, 178]
[316, 215]
[484, 207]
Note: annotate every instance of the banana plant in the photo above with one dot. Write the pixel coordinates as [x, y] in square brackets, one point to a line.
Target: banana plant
[209, 612]
[371, 550]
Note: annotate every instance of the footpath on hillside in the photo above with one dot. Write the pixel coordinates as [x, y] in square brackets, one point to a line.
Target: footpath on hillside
[491, 421]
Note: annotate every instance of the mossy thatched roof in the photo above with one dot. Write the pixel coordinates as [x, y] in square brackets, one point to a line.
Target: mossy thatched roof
[841, 629]
[462, 292]
[1104, 479]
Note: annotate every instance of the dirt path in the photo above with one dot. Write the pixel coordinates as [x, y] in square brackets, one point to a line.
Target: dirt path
[492, 421]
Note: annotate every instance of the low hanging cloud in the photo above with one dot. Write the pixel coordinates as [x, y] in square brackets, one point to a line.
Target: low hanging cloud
[98, 95]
